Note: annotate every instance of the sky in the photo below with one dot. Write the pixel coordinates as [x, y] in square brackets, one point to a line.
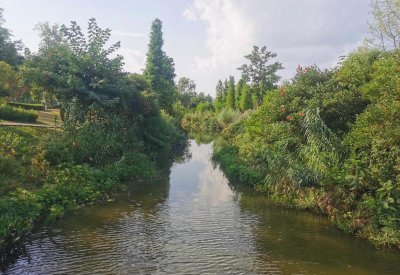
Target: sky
[208, 39]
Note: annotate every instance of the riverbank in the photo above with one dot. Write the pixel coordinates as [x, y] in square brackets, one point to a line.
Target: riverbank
[338, 205]
[326, 140]
[195, 221]
[48, 173]
[265, 162]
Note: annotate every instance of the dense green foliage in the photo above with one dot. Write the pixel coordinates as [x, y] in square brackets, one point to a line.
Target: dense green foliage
[7, 79]
[327, 140]
[17, 114]
[113, 131]
[230, 94]
[262, 75]
[9, 49]
[27, 106]
[187, 95]
[258, 77]
[16, 157]
[159, 70]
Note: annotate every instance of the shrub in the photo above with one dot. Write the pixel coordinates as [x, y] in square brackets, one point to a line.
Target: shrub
[227, 117]
[18, 211]
[27, 106]
[66, 189]
[17, 114]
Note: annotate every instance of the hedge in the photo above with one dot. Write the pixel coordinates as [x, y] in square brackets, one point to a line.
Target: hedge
[27, 106]
[17, 114]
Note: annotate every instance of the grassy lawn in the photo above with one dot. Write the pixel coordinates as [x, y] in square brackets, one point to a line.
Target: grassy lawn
[49, 117]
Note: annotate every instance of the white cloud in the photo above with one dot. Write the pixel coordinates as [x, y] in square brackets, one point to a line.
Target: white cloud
[128, 34]
[134, 60]
[301, 32]
[230, 32]
[190, 14]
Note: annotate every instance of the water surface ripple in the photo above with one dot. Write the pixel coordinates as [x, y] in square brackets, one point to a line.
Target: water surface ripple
[195, 223]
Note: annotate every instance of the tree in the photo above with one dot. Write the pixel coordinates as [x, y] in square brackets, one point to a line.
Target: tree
[385, 29]
[79, 69]
[219, 90]
[9, 50]
[245, 102]
[138, 82]
[225, 90]
[200, 98]
[230, 97]
[261, 75]
[186, 90]
[52, 37]
[219, 95]
[39, 74]
[7, 79]
[238, 92]
[160, 71]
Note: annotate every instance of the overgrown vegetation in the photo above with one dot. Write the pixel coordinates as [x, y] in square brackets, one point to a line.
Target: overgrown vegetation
[116, 127]
[327, 140]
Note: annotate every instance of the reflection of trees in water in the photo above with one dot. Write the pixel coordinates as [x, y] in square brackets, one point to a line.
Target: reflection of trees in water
[12, 258]
[293, 241]
[137, 211]
[298, 241]
[147, 194]
[181, 151]
[178, 153]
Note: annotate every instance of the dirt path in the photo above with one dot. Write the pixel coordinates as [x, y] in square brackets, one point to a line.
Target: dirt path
[26, 124]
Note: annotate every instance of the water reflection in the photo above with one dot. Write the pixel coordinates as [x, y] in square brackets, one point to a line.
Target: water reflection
[194, 222]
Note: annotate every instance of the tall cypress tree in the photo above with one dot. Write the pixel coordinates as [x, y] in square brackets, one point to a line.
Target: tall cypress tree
[230, 97]
[238, 92]
[219, 95]
[219, 90]
[245, 98]
[160, 71]
[226, 84]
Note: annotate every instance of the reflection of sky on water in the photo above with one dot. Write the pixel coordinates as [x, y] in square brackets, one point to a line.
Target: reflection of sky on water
[198, 180]
[196, 224]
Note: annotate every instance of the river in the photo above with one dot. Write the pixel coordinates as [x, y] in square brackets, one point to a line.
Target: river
[194, 222]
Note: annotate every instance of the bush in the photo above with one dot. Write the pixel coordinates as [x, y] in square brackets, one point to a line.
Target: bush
[227, 117]
[328, 140]
[18, 211]
[17, 114]
[21, 158]
[201, 122]
[27, 106]
[66, 189]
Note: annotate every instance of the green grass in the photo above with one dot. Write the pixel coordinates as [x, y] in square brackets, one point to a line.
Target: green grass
[49, 117]
[20, 164]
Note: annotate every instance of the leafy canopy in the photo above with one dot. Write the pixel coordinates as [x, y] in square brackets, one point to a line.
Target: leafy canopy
[262, 75]
[9, 49]
[159, 70]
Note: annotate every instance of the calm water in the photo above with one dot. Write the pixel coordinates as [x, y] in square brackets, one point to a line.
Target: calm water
[195, 223]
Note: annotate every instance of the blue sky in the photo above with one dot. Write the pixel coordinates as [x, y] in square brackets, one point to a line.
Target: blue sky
[208, 38]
